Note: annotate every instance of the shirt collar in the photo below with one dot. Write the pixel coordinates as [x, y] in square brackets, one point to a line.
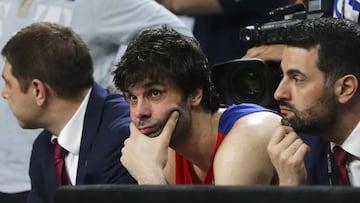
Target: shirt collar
[352, 143]
[70, 136]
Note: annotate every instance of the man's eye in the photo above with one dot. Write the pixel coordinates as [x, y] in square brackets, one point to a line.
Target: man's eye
[155, 93]
[297, 79]
[132, 98]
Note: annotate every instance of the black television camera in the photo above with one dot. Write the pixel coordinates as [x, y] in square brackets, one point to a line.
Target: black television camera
[274, 32]
[247, 81]
[254, 80]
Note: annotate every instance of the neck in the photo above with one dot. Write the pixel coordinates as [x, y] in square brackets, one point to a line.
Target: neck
[199, 147]
[348, 118]
[60, 111]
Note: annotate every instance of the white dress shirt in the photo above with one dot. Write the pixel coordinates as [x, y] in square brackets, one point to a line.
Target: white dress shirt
[352, 146]
[70, 139]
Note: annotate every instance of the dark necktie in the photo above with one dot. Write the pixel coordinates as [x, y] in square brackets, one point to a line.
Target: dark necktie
[59, 155]
[340, 156]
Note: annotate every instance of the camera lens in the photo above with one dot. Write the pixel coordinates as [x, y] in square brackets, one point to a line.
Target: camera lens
[245, 84]
[249, 34]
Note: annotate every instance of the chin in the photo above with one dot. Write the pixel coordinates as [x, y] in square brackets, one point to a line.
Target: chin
[285, 122]
[22, 125]
[153, 134]
[25, 125]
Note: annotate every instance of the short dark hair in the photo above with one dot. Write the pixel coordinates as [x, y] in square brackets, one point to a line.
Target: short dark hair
[162, 53]
[338, 43]
[53, 54]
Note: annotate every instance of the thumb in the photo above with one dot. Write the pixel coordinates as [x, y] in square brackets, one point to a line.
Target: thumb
[169, 127]
[133, 129]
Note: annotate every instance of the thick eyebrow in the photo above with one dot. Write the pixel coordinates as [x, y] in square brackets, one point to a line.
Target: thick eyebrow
[295, 71]
[152, 83]
[147, 86]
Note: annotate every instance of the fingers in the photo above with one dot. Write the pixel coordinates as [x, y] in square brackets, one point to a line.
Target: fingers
[286, 146]
[287, 151]
[295, 151]
[169, 127]
[271, 52]
[280, 134]
[166, 132]
[253, 52]
[302, 150]
[133, 129]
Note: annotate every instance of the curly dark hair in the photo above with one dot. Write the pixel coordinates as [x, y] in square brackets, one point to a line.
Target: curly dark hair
[162, 53]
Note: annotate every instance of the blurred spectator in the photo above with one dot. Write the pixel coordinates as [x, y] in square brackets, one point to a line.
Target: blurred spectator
[218, 23]
[348, 9]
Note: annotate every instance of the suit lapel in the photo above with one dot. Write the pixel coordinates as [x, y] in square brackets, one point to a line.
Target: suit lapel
[92, 121]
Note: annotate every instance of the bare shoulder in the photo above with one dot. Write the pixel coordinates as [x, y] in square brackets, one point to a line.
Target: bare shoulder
[255, 126]
[261, 118]
[244, 148]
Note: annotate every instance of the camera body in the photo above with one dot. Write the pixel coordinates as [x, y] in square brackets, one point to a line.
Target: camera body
[268, 33]
[247, 81]
[274, 32]
[254, 80]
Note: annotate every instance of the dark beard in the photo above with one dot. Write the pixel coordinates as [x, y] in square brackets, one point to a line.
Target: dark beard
[315, 119]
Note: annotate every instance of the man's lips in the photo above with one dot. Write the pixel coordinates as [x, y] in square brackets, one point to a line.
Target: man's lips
[284, 110]
[147, 130]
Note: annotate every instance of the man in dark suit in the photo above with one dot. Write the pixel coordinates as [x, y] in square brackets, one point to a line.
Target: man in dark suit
[49, 84]
[319, 95]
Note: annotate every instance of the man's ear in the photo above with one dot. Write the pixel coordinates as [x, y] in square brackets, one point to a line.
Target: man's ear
[346, 87]
[38, 89]
[196, 96]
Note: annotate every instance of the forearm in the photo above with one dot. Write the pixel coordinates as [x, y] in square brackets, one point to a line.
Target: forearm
[152, 178]
[192, 7]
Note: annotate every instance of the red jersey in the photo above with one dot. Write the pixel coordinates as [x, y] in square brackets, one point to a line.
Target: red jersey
[227, 120]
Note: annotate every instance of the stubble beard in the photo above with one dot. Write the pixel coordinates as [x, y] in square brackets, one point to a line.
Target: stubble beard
[315, 119]
[182, 129]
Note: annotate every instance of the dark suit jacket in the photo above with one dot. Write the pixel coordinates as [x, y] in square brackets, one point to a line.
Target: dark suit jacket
[316, 161]
[106, 126]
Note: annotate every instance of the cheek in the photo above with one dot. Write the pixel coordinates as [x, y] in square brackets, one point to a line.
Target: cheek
[19, 112]
[12, 104]
[308, 100]
[132, 117]
[164, 112]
